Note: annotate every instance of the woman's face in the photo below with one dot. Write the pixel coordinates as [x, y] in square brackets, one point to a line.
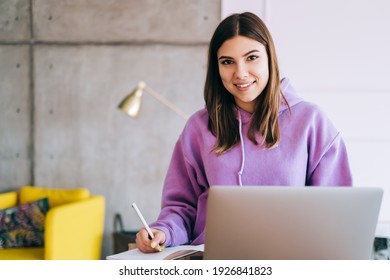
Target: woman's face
[243, 66]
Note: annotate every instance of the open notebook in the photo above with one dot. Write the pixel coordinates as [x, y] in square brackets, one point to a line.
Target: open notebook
[291, 222]
[169, 253]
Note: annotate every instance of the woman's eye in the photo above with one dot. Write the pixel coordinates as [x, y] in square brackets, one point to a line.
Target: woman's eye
[226, 62]
[253, 57]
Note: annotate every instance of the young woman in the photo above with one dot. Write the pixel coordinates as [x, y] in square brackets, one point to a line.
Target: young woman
[255, 130]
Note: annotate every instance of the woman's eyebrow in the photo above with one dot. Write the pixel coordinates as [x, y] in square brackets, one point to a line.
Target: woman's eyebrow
[225, 57]
[252, 51]
[228, 57]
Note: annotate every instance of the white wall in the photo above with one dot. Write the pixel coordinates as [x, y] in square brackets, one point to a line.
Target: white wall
[337, 55]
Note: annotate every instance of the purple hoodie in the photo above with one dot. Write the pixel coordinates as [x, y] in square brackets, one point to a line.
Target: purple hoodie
[311, 153]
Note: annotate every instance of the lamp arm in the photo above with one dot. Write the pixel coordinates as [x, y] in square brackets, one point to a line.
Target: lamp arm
[166, 102]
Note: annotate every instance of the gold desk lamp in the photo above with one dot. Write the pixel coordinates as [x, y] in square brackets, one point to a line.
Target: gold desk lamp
[131, 105]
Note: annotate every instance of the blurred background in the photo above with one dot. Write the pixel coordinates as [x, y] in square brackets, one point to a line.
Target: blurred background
[65, 65]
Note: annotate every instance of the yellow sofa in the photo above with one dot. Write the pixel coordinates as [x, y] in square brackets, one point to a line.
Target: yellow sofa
[73, 227]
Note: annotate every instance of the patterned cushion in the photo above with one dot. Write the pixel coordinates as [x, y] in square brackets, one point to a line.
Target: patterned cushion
[23, 225]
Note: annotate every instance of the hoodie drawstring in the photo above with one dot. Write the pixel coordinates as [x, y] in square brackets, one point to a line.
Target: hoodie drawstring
[242, 149]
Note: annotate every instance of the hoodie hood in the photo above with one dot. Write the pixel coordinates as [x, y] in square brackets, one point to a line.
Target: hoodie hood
[290, 94]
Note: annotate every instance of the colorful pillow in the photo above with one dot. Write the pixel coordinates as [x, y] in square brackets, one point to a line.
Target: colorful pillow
[23, 225]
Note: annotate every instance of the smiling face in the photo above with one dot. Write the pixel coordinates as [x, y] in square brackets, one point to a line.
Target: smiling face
[243, 67]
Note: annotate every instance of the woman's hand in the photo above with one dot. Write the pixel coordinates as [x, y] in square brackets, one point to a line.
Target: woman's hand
[145, 245]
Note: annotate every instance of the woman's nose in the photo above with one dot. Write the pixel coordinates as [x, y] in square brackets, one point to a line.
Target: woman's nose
[241, 71]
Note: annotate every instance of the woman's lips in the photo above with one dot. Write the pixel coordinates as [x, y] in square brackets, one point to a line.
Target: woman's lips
[243, 86]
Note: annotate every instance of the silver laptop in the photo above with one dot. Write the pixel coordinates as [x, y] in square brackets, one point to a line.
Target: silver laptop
[317, 223]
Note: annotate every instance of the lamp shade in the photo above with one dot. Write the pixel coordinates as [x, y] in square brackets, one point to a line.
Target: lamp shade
[131, 104]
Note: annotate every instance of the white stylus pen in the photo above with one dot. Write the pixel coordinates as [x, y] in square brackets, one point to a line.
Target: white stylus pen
[142, 220]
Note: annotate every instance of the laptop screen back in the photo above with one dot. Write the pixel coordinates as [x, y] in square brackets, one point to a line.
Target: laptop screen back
[291, 222]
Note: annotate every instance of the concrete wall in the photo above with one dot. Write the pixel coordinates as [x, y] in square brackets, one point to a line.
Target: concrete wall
[15, 95]
[64, 68]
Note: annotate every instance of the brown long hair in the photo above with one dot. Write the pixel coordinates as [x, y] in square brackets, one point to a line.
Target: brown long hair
[220, 103]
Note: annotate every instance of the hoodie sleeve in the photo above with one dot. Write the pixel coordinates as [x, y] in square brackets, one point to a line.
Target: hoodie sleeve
[179, 199]
[328, 164]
